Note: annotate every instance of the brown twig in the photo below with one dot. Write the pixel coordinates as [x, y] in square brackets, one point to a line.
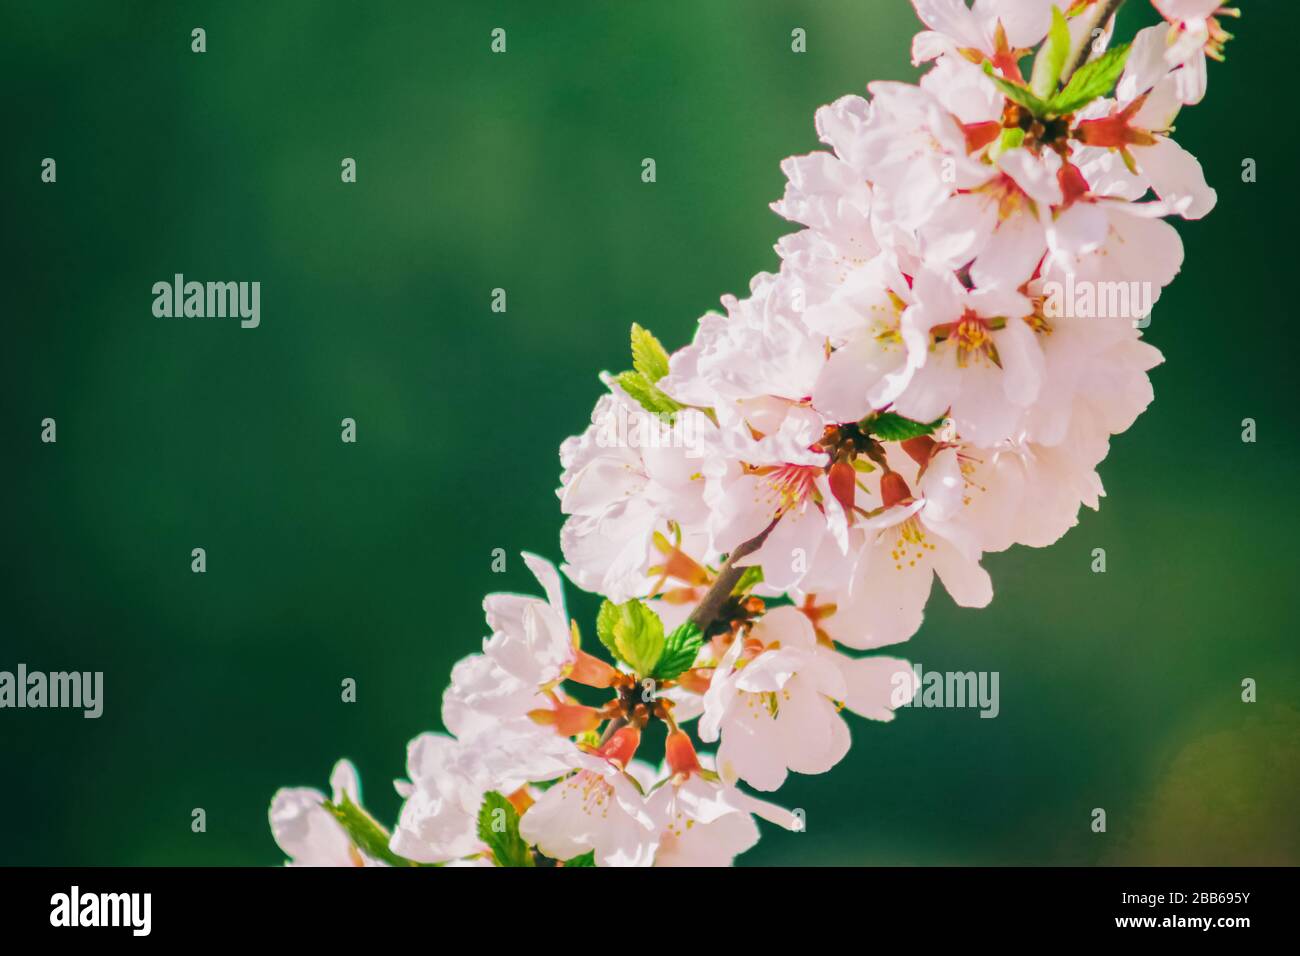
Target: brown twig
[614, 724]
[1106, 10]
[707, 610]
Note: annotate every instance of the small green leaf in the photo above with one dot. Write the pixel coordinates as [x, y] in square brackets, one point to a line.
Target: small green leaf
[751, 576]
[1016, 94]
[606, 620]
[888, 426]
[1051, 57]
[633, 633]
[498, 827]
[1010, 139]
[680, 650]
[365, 832]
[646, 394]
[648, 356]
[1093, 79]
[587, 859]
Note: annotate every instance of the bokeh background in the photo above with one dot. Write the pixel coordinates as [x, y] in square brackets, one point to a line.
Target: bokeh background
[325, 560]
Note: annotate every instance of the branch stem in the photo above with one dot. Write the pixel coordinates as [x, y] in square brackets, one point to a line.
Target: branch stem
[707, 610]
[614, 724]
[1105, 10]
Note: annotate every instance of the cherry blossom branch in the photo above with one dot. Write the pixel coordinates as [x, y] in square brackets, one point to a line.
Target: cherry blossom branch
[877, 355]
[707, 610]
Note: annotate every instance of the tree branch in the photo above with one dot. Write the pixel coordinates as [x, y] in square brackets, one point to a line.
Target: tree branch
[707, 610]
[614, 724]
[1105, 10]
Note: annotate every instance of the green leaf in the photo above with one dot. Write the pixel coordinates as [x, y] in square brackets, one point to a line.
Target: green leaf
[633, 633]
[648, 356]
[606, 619]
[1016, 94]
[365, 833]
[498, 827]
[751, 576]
[1093, 79]
[888, 426]
[680, 650]
[646, 394]
[1010, 139]
[587, 859]
[1051, 57]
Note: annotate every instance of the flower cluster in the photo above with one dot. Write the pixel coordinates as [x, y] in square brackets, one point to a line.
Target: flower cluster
[935, 372]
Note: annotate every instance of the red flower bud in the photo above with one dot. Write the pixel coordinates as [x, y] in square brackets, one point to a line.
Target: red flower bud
[920, 449]
[1072, 183]
[568, 720]
[844, 483]
[696, 680]
[521, 800]
[680, 753]
[589, 670]
[621, 748]
[979, 135]
[1114, 131]
[893, 489]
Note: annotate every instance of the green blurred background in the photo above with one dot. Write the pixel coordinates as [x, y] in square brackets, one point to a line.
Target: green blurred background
[1119, 690]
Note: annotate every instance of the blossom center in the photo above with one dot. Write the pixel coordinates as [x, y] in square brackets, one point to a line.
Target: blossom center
[792, 484]
[911, 544]
[592, 790]
[973, 339]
